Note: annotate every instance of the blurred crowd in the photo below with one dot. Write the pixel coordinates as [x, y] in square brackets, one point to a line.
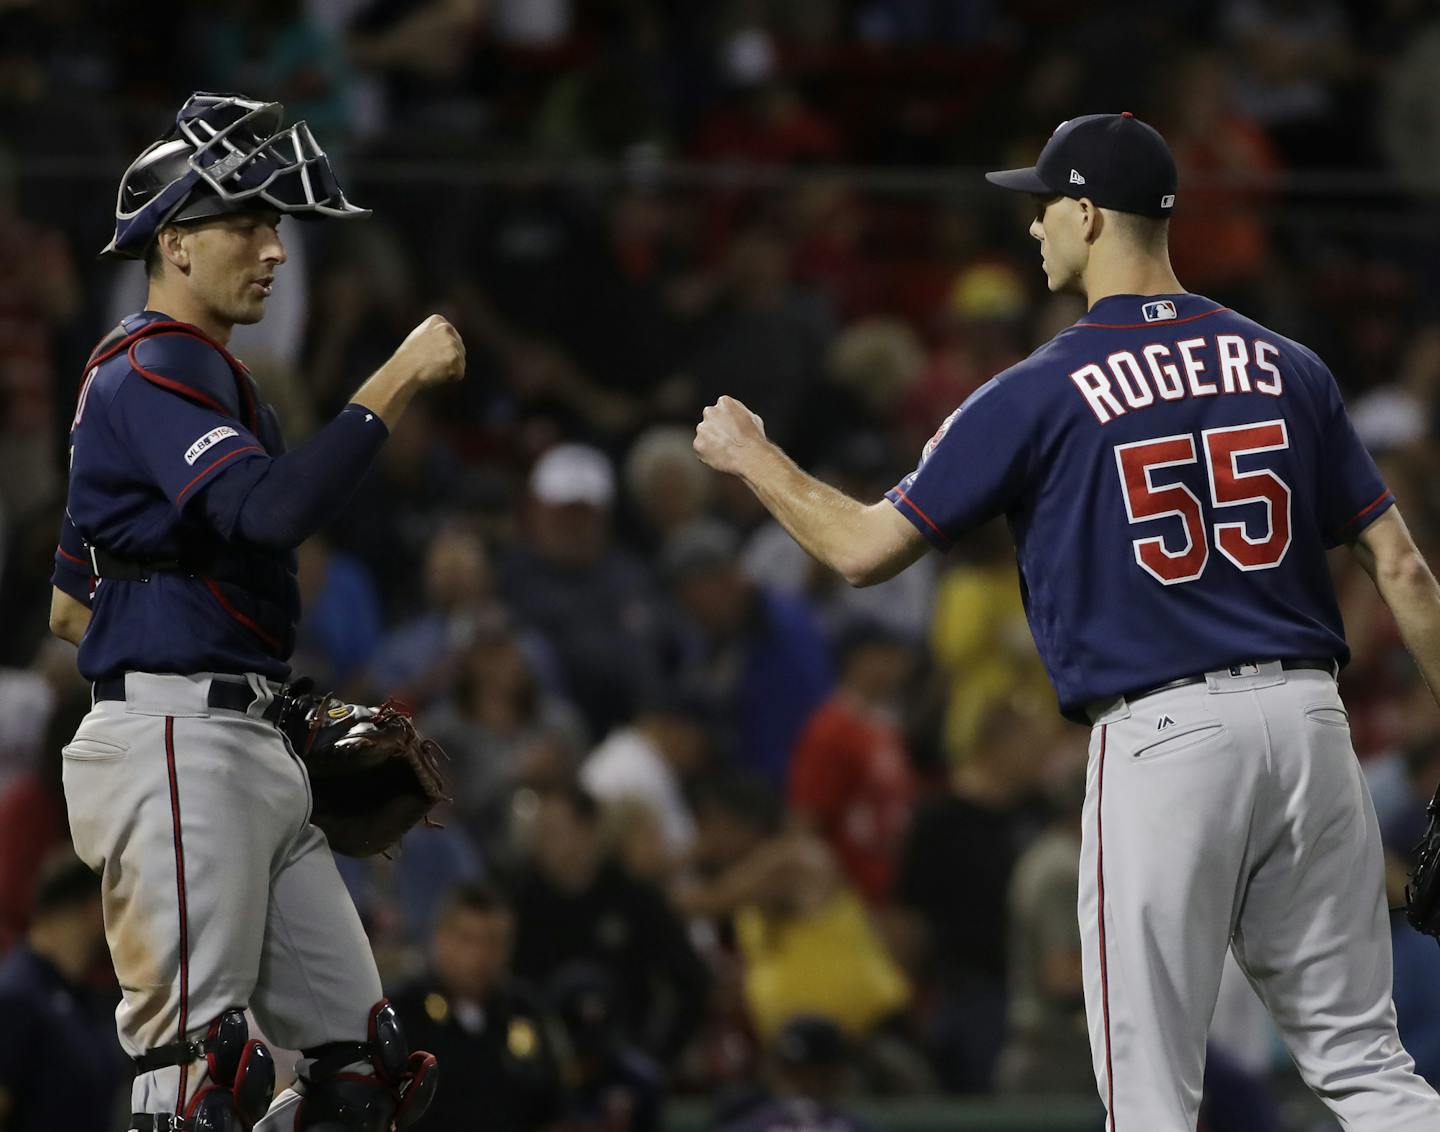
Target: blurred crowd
[721, 825]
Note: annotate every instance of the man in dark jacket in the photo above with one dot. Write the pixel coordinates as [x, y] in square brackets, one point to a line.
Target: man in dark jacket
[485, 1025]
[574, 902]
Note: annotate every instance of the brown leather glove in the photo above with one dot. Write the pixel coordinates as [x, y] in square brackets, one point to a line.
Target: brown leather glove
[372, 775]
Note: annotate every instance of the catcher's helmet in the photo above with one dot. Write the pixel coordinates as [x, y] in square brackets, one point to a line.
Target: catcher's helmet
[225, 153]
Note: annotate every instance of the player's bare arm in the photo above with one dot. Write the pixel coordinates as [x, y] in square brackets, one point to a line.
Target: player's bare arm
[432, 354]
[864, 543]
[1400, 573]
[69, 617]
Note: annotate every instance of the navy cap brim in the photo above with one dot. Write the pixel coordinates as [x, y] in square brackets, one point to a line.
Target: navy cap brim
[1021, 181]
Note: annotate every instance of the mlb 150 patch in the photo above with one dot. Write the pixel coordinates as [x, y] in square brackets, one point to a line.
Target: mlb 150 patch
[209, 440]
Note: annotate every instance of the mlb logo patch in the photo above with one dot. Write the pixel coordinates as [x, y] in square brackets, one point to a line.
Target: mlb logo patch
[1159, 311]
[208, 441]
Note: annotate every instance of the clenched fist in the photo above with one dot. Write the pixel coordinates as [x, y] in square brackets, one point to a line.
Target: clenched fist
[433, 353]
[729, 435]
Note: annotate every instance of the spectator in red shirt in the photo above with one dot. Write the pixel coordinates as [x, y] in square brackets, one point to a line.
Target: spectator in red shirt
[850, 776]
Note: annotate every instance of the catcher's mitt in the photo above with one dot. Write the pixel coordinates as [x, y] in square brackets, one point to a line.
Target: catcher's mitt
[372, 775]
[1422, 894]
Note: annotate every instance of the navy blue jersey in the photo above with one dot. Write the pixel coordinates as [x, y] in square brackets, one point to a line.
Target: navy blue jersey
[166, 423]
[1172, 474]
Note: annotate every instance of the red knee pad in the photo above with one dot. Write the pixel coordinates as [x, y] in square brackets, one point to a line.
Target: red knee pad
[417, 1090]
[395, 1097]
[240, 1065]
[237, 1104]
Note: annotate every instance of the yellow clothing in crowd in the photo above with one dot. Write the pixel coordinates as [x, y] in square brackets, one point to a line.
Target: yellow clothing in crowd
[829, 961]
[981, 641]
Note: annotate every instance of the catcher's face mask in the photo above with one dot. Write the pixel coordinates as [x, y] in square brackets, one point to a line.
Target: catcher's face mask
[224, 154]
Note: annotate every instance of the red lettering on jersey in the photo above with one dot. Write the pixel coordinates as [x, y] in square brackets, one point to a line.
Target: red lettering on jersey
[1166, 374]
[1233, 360]
[1230, 487]
[1194, 367]
[1137, 390]
[1092, 382]
[1143, 500]
[1275, 385]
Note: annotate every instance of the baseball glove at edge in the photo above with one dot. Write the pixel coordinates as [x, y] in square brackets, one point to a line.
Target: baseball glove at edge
[372, 775]
[1422, 893]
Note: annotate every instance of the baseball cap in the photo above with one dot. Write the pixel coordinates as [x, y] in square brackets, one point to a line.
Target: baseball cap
[1114, 159]
[573, 473]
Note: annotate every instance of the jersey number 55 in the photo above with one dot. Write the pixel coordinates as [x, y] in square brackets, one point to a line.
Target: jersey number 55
[1229, 487]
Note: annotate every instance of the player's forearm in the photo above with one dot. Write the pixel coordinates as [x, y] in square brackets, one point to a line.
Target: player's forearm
[387, 392]
[69, 618]
[1389, 555]
[826, 522]
[1410, 590]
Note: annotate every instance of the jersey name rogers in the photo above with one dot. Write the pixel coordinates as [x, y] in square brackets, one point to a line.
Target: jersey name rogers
[1202, 366]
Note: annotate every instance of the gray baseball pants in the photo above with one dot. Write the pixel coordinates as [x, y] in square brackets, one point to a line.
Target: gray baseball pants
[1232, 813]
[217, 890]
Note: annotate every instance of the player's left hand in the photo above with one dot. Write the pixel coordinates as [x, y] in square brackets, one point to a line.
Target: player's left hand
[728, 435]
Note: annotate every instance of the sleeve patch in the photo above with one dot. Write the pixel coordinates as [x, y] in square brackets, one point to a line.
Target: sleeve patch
[209, 440]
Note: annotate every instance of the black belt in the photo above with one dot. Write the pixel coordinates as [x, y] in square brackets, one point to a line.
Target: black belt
[1289, 664]
[107, 565]
[223, 694]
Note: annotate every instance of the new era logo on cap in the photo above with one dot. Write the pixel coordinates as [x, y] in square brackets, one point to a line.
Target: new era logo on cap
[1159, 311]
[1075, 178]
[1167, 201]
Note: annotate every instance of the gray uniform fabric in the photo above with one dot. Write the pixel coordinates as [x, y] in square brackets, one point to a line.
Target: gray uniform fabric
[217, 890]
[1233, 814]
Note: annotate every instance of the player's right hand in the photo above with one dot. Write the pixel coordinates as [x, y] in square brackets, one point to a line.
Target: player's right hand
[729, 435]
[433, 353]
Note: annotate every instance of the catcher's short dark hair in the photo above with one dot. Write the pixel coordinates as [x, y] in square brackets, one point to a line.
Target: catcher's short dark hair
[154, 261]
[64, 882]
[474, 896]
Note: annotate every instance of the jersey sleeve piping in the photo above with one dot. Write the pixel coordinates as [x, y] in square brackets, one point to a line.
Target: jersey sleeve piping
[1350, 527]
[934, 533]
[174, 386]
[271, 642]
[63, 553]
[223, 459]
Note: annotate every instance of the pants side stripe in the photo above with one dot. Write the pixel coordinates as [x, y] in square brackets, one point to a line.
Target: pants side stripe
[180, 896]
[1104, 970]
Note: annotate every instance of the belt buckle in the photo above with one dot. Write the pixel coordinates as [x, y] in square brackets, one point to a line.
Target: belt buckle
[1247, 668]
